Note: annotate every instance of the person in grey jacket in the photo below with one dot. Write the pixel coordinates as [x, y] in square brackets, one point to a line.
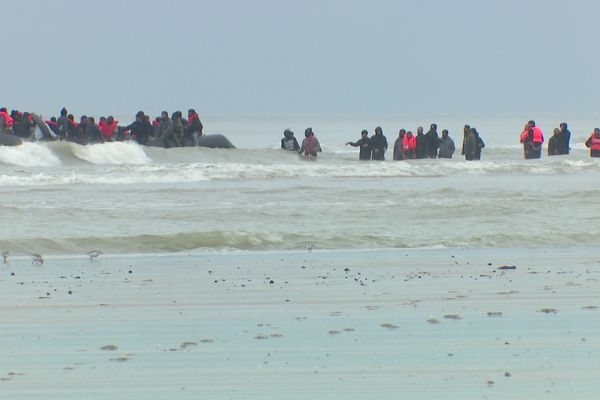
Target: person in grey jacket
[446, 145]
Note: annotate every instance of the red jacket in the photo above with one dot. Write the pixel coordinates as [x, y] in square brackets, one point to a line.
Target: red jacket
[108, 130]
[7, 119]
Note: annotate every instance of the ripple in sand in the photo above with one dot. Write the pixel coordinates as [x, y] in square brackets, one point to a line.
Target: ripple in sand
[548, 311]
[261, 337]
[494, 314]
[206, 341]
[334, 332]
[348, 329]
[276, 335]
[433, 321]
[186, 345]
[109, 347]
[589, 307]
[452, 316]
[120, 359]
[389, 326]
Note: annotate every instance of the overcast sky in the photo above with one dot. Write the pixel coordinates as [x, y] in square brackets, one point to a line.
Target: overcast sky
[311, 56]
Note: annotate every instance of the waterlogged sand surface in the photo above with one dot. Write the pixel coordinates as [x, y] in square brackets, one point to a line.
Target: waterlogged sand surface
[418, 324]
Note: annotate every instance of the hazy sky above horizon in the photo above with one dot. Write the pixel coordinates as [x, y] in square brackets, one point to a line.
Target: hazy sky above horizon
[320, 57]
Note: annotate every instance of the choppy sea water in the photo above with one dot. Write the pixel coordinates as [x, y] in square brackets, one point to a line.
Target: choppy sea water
[64, 198]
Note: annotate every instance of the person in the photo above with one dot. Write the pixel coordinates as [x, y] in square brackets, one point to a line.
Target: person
[63, 123]
[466, 131]
[53, 125]
[409, 146]
[194, 128]
[432, 142]
[379, 145]
[471, 145]
[289, 142]
[593, 143]
[165, 129]
[73, 133]
[532, 139]
[310, 144]
[421, 143]
[479, 144]
[108, 128]
[364, 143]
[175, 136]
[83, 121]
[23, 127]
[554, 143]
[565, 143]
[446, 145]
[6, 122]
[140, 129]
[398, 154]
[92, 131]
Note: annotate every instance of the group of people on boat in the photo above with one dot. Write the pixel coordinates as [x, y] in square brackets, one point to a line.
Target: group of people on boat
[167, 131]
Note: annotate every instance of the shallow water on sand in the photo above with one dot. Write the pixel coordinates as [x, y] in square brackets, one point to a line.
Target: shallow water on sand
[427, 324]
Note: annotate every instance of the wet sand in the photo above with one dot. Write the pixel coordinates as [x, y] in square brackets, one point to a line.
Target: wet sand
[418, 324]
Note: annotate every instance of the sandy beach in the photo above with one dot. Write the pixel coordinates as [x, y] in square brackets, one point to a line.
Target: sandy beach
[416, 324]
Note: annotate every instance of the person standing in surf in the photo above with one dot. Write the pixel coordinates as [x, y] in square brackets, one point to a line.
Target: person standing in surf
[409, 146]
[364, 143]
[379, 145]
[446, 145]
[532, 139]
[421, 141]
[310, 144]
[432, 142]
[554, 143]
[289, 142]
[593, 143]
[565, 142]
[398, 153]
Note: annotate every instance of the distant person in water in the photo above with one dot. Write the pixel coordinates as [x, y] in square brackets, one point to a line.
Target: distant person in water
[379, 145]
[565, 142]
[466, 131]
[593, 143]
[310, 144]
[289, 142]
[398, 154]
[409, 146]
[473, 145]
[446, 145]
[532, 139]
[432, 142]
[421, 143]
[554, 143]
[364, 144]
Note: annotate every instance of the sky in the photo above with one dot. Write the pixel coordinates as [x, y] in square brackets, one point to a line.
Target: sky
[322, 57]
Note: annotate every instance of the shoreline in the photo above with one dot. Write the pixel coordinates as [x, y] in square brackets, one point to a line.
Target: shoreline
[424, 324]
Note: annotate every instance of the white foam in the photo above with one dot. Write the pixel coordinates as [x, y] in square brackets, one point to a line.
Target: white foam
[115, 153]
[28, 155]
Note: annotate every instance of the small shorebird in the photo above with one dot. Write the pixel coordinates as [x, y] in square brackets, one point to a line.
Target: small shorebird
[5, 256]
[94, 254]
[310, 246]
[37, 259]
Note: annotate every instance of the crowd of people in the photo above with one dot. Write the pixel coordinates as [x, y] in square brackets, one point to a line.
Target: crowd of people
[431, 145]
[168, 131]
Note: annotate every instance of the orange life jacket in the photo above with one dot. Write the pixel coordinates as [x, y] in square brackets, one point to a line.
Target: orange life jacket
[7, 119]
[595, 145]
[538, 136]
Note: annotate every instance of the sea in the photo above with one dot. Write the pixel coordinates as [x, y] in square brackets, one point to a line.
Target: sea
[65, 199]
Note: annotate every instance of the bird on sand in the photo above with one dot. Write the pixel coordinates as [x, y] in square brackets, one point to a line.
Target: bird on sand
[310, 246]
[94, 254]
[37, 259]
[5, 257]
